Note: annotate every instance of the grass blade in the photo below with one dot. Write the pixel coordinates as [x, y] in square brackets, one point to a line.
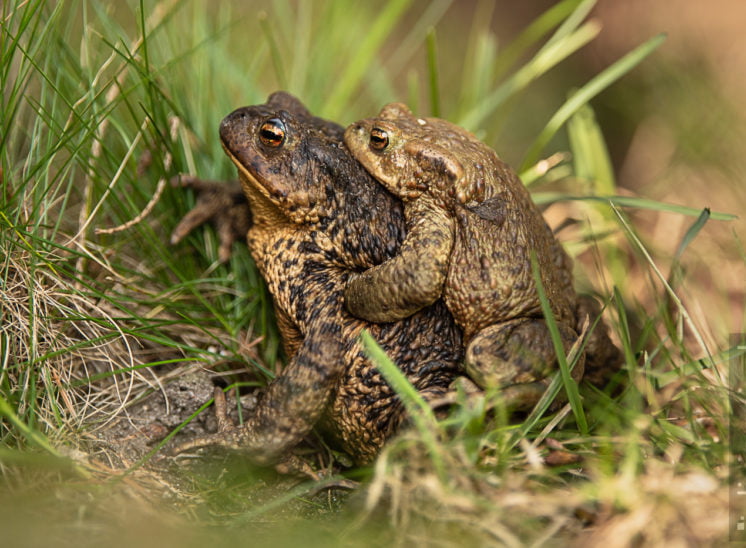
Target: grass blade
[675, 274]
[358, 65]
[589, 152]
[595, 86]
[692, 232]
[536, 67]
[416, 406]
[571, 387]
[33, 436]
[543, 198]
[572, 22]
[432, 72]
[675, 298]
[533, 33]
[274, 50]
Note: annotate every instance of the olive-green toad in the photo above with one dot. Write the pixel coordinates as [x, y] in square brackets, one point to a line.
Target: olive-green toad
[472, 229]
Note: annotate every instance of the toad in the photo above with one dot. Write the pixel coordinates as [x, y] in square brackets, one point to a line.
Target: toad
[316, 217]
[472, 228]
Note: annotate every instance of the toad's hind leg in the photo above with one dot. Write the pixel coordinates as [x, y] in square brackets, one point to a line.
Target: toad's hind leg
[517, 356]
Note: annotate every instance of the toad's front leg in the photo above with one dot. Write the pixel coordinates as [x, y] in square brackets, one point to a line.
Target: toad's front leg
[411, 280]
[291, 406]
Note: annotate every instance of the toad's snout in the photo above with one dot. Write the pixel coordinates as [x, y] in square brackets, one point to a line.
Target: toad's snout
[233, 127]
[354, 134]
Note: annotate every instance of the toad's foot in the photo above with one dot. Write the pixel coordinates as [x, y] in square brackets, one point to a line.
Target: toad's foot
[291, 406]
[221, 203]
[233, 437]
[226, 435]
[229, 436]
[517, 356]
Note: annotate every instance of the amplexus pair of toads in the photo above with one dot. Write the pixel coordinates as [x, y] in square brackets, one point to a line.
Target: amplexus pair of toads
[413, 230]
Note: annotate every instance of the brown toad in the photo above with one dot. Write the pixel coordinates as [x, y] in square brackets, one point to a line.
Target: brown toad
[317, 216]
[472, 228]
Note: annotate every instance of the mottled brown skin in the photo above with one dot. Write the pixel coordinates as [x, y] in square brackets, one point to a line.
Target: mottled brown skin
[317, 216]
[472, 228]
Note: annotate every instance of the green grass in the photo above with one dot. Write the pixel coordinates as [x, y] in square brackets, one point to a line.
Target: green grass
[89, 319]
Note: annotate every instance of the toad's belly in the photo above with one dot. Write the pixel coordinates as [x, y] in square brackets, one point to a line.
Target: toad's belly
[365, 411]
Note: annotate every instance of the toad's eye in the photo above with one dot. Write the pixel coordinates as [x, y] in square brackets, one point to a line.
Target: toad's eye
[379, 139]
[272, 133]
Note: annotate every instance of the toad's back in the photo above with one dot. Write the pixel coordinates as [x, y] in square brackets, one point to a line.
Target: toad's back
[496, 227]
[490, 278]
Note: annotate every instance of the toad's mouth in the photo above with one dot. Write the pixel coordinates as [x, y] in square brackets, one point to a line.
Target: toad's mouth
[252, 186]
[265, 210]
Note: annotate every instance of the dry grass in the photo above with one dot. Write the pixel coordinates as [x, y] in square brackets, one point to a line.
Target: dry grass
[533, 504]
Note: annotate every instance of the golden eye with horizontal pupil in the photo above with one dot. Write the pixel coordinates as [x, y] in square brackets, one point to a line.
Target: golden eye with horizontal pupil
[379, 139]
[272, 133]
